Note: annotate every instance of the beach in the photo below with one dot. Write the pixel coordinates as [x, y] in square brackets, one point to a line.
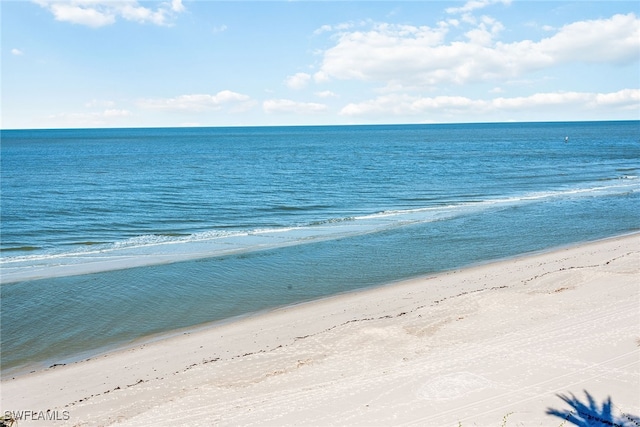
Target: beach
[492, 343]
[227, 222]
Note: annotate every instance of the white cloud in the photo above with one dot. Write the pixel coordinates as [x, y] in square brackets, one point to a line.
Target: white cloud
[626, 98]
[298, 81]
[485, 33]
[407, 105]
[99, 103]
[615, 40]
[219, 29]
[288, 106]
[101, 118]
[409, 57]
[321, 77]
[472, 5]
[326, 94]
[116, 113]
[323, 29]
[201, 102]
[77, 14]
[17, 52]
[133, 12]
[99, 13]
[541, 100]
[177, 6]
[384, 53]
[337, 27]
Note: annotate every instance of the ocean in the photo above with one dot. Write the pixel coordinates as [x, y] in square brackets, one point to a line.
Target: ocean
[109, 236]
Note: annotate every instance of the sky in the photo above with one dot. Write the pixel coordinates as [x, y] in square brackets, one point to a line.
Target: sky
[95, 63]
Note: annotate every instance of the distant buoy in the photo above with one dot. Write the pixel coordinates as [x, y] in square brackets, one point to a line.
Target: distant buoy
[566, 139]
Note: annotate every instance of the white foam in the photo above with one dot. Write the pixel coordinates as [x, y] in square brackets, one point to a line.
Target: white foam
[154, 249]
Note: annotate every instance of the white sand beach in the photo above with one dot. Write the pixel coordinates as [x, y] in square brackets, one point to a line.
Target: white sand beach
[467, 347]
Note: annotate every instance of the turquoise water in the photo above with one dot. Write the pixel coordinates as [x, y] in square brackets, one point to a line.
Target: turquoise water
[109, 235]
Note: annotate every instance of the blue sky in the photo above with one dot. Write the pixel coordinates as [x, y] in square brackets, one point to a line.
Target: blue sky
[94, 63]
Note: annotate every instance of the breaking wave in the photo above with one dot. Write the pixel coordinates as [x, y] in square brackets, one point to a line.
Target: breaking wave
[150, 249]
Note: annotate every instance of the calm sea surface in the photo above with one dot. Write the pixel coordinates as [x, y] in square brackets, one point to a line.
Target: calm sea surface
[109, 235]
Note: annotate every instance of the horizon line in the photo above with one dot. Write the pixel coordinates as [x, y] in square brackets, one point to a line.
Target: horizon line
[320, 125]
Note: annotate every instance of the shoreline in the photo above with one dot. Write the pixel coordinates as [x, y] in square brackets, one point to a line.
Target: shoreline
[28, 369]
[443, 329]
